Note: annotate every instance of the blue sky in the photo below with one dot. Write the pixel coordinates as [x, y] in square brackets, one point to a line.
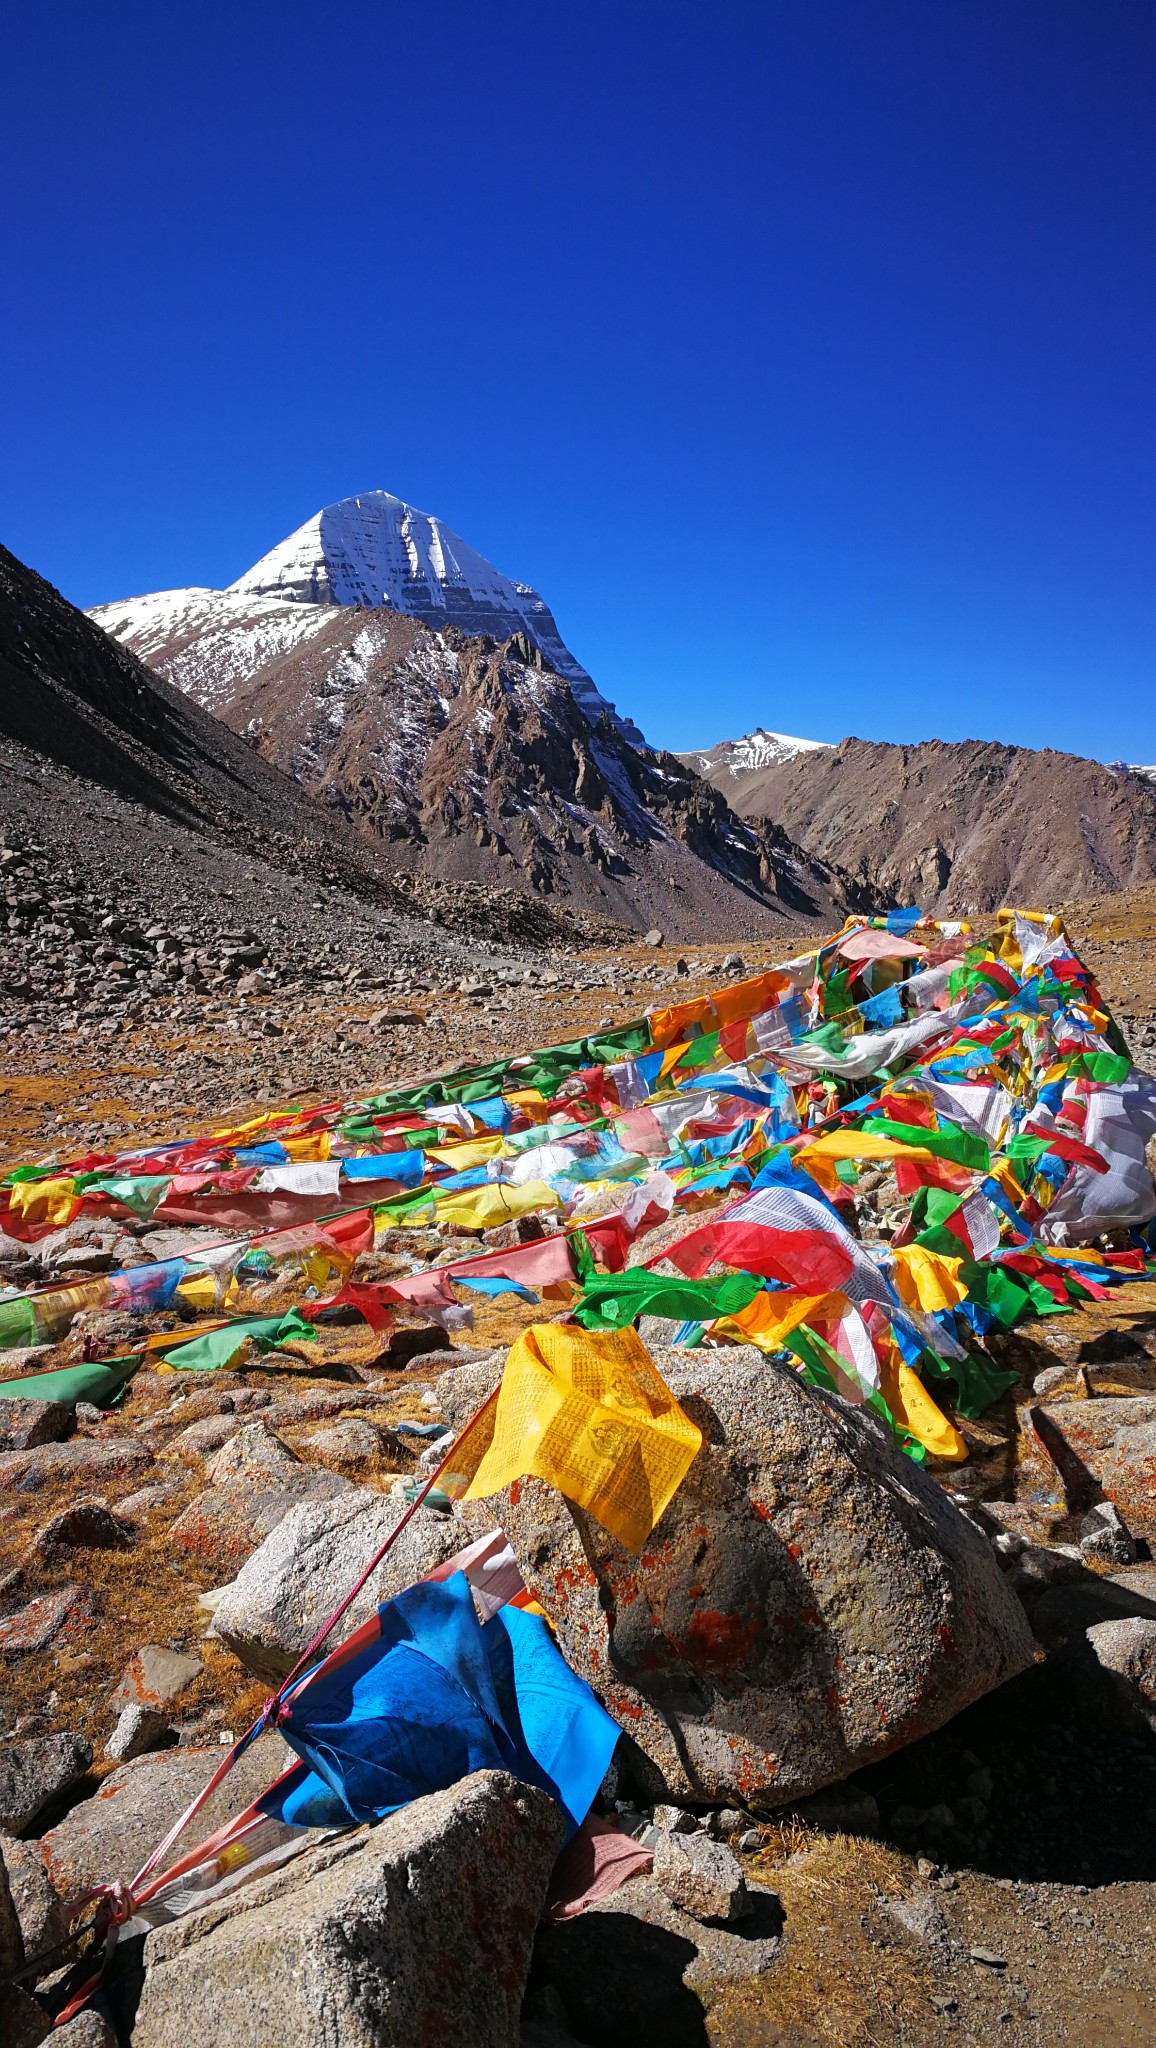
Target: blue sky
[799, 351]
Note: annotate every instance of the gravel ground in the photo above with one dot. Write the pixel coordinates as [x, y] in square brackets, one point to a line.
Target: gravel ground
[1033, 1927]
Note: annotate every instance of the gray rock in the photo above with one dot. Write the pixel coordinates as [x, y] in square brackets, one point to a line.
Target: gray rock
[1127, 1650]
[653, 938]
[202, 1438]
[86, 1525]
[701, 1876]
[252, 1448]
[364, 1943]
[463, 1388]
[1051, 1377]
[155, 1677]
[809, 1601]
[38, 1908]
[23, 2023]
[347, 1446]
[921, 1915]
[11, 1936]
[110, 1835]
[25, 1423]
[83, 1460]
[229, 1520]
[675, 1820]
[1105, 1534]
[88, 2030]
[627, 1969]
[282, 1595]
[139, 1729]
[34, 1772]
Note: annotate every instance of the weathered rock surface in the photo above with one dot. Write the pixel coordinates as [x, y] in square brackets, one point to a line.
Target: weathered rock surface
[810, 1599]
[1108, 1444]
[138, 1730]
[350, 1446]
[110, 1835]
[86, 1525]
[1127, 1649]
[701, 1876]
[155, 1678]
[1104, 1534]
[35, 1772]
[88, 2030]
[282, 1595]
[25, 1424]
[60, 1618]
[38, 1907]
[229, 1521]
[81, 1459]
[416, 1931]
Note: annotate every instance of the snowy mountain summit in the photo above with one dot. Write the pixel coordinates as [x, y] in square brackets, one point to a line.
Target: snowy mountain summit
[376, 552]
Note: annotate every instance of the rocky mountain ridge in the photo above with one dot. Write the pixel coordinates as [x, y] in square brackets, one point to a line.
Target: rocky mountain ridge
[473, 758]
[953, 826]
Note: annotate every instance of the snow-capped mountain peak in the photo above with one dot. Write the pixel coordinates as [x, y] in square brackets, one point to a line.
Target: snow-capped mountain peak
[757, 749]
[375, 551]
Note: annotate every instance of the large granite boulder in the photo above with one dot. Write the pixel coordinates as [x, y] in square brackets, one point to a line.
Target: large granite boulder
[255, 1480]
[280, 1598]
[110, 1835]
[809, 1601]
[416, 1931]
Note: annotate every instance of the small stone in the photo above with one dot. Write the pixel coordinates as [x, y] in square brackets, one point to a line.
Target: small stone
[138, 1730]
[87, 1525]
[1105, 1534]
[155, 1677]
[988, 1957]
[748, 1843]
[674, 1820]
[349, 1446]
[1051, 1377]
[653, 938]
[26, 1423]
[701, 1876]
[921, 1915]
[87, 1412]
[34, 1773]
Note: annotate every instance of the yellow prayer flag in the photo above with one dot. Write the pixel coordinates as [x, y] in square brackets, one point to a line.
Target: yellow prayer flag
[926, 1279]
[914, 1410]
[587, 1411]
[44, 1201]
[315, 1145]
[495, 1201]
[471, 1152]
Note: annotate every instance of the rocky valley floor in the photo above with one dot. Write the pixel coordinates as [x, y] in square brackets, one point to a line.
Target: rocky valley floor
[993, 1881]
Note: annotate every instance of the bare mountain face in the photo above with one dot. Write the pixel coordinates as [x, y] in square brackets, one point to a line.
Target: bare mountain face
[147, 852]
[470, 757]
[952, 827]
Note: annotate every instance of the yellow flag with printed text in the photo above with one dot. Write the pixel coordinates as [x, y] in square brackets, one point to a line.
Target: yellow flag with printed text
[587, 1411]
